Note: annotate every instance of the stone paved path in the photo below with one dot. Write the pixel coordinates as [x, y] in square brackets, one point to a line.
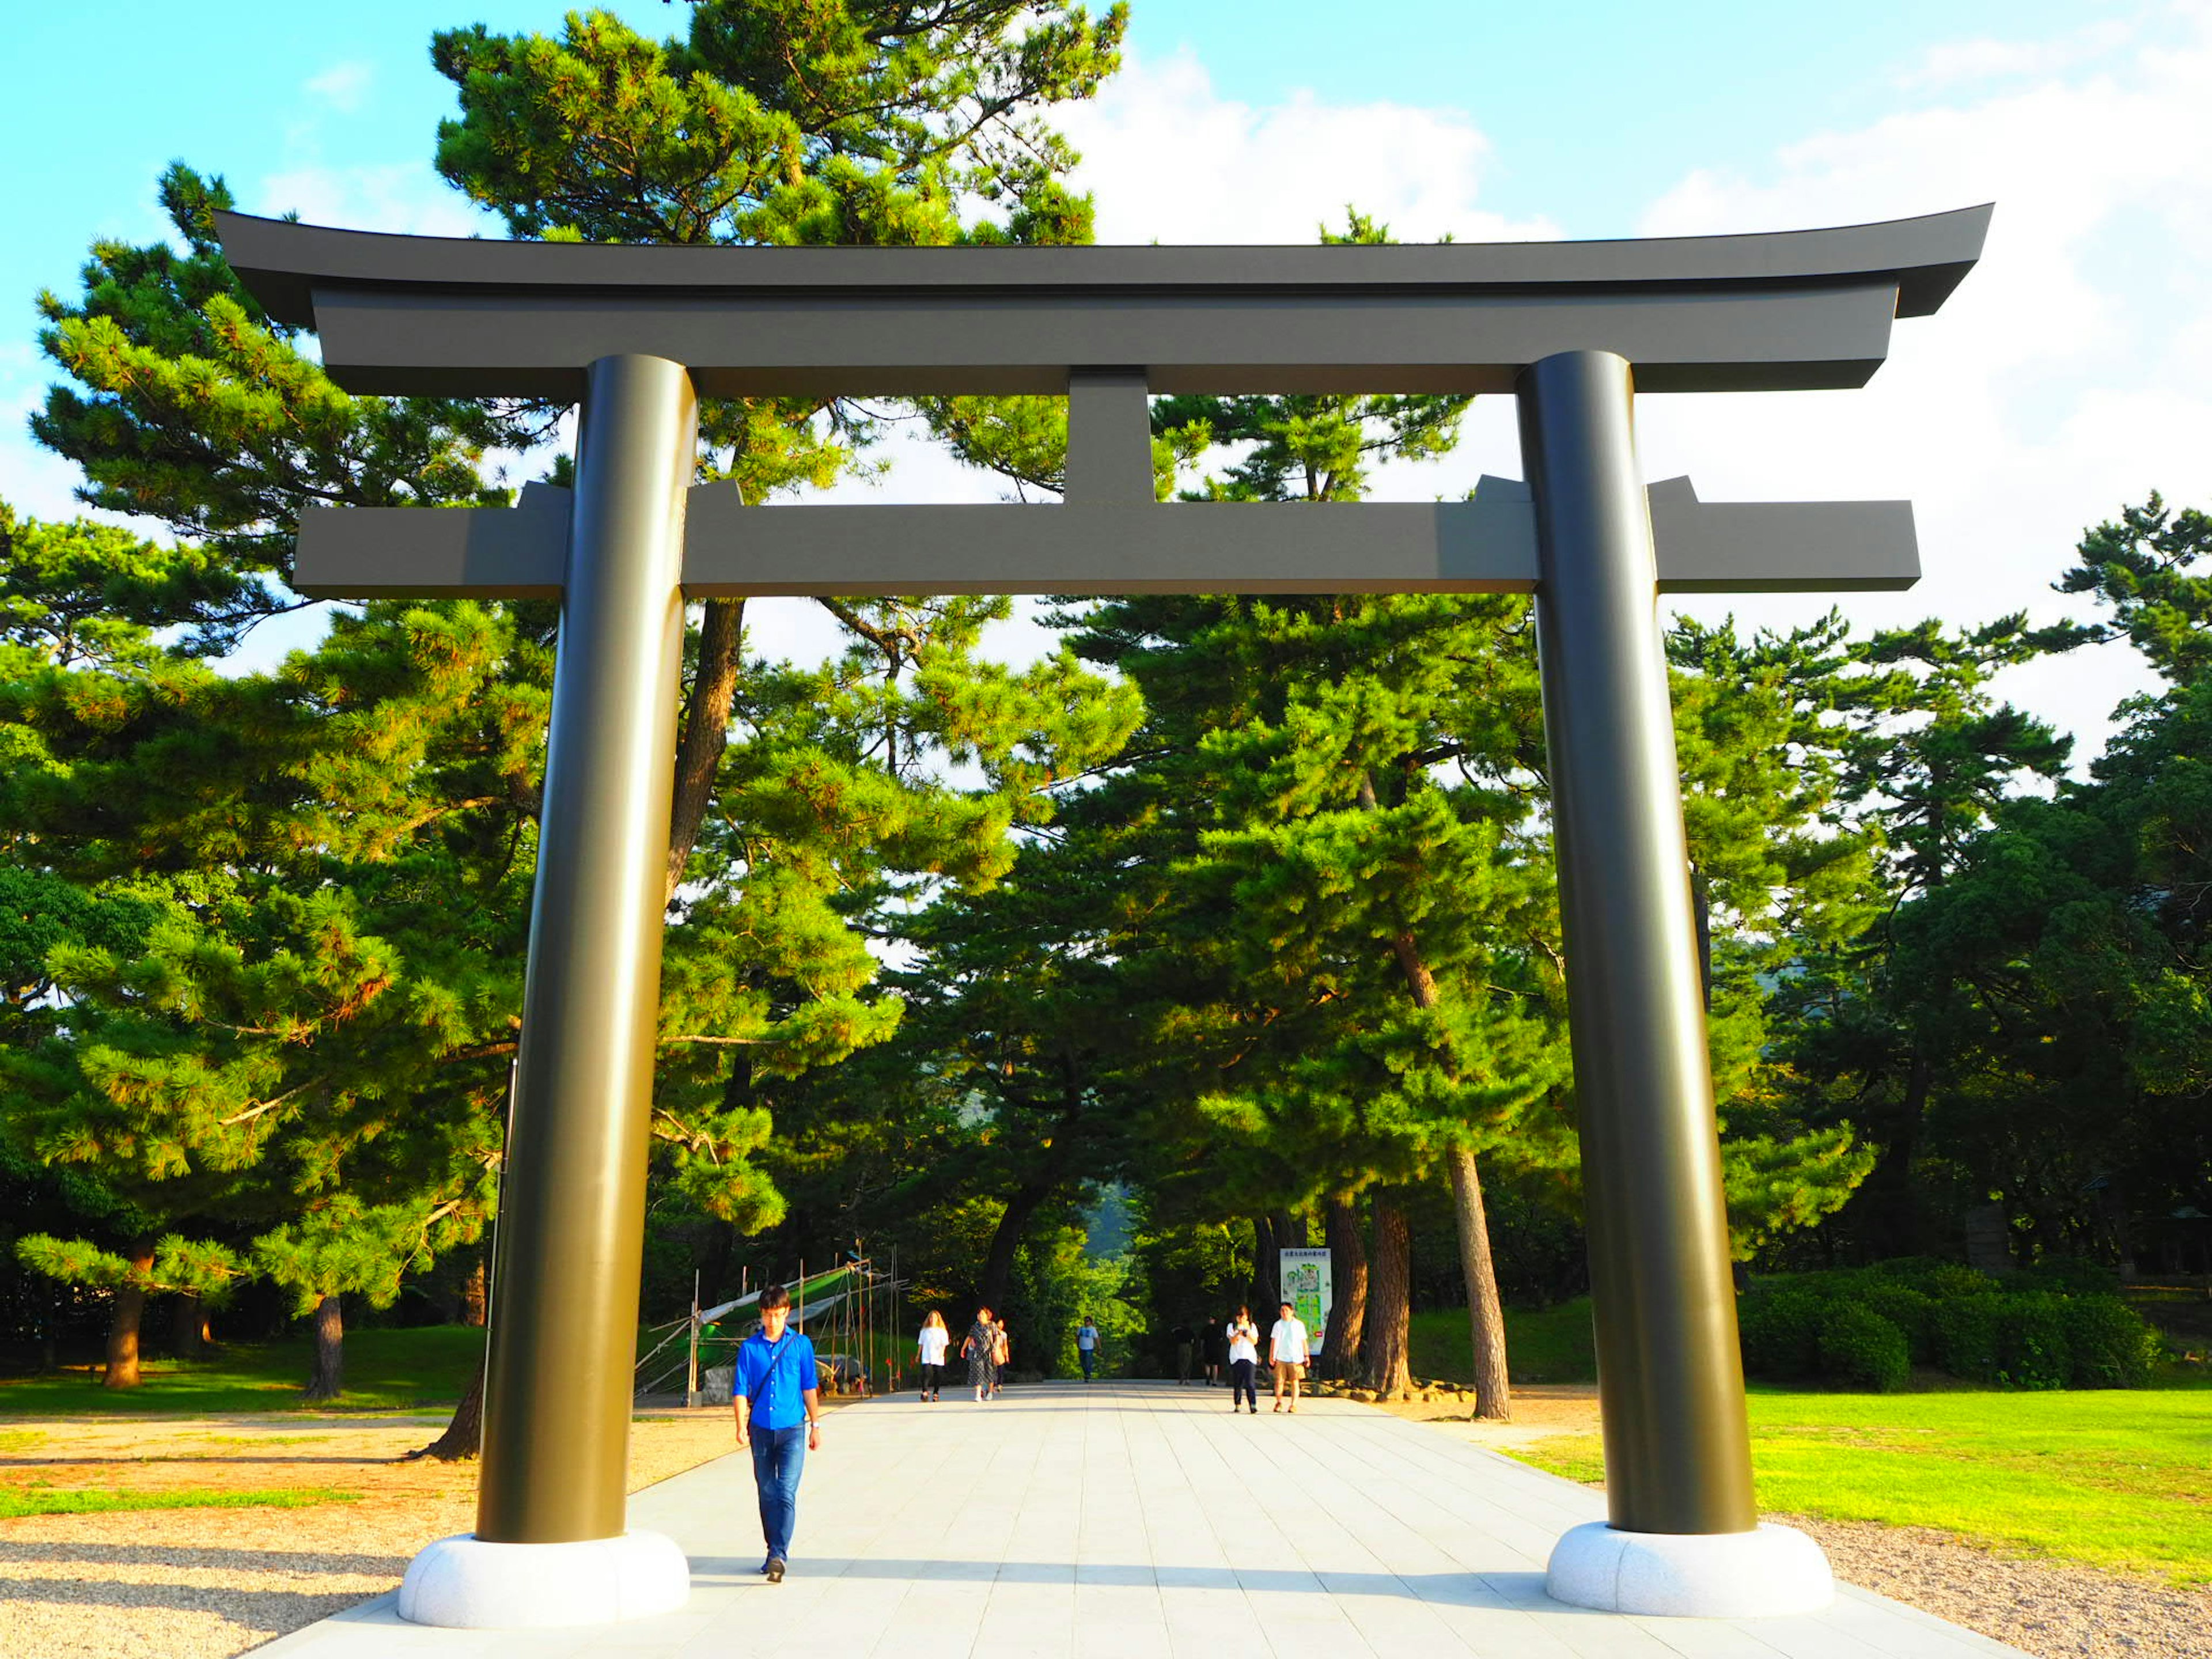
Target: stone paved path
[1132, 1520]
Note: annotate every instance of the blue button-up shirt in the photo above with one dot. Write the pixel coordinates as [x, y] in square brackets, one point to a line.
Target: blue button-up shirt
[789, 1368]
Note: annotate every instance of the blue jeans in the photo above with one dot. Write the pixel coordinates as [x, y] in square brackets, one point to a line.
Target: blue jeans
[778, 1456]
[1087, 1356]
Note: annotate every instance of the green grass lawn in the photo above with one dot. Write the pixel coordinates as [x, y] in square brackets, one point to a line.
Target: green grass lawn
[1550, 1346]
[17, 1501]
[2112, 1479]
[386, 1371]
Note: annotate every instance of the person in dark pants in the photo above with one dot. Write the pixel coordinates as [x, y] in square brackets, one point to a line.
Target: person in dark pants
[1243, 1358]
[929, 1348]
[1185, 1341]
[1086, 1345]
[778, 1401]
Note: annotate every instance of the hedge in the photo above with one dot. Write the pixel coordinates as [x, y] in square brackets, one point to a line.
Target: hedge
[1866, 1328]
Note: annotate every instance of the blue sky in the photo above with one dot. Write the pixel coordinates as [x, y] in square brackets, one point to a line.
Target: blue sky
[2066, 379]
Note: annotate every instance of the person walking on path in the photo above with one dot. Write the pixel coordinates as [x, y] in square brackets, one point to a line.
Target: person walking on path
[1286, 1347]
[1002, 1356]
[778, 1402]
[980, 1351]
[929, 1353]
[1185, 1340]
[1216, 1352]
[1086, 1345]
[1244, 1337]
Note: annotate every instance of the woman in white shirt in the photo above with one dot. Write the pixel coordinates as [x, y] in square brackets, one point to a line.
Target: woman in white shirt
[929, 1352]
[1244, 1356]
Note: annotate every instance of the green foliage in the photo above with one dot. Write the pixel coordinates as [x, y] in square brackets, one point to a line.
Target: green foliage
[2008, 1332]
[1546, 1345]
[1861, 1349]
[2143, 569]
[343, 1247]
[1781, 1334]
[1055, 1283]
[1912, 1311]
[209, 1270]
[2111, 1345]
[193, 408]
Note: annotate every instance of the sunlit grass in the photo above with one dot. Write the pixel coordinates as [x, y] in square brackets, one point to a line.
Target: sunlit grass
[2120, 1479]
[423, 1369]
[17, 1501]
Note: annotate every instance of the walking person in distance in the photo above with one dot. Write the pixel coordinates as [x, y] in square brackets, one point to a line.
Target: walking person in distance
[929, 1353]
[981, 1349]
[777, 1398]
[1086, 1345]
[1244, 1337]
[1287, 1348]
[1002, 1357]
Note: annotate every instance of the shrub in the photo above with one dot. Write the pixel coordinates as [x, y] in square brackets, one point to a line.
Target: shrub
[2033, 1348]
[1781, 1334]
[1934, 1278]
[1964, 1334]
[1861, 1349]
[2114, 1347]
[2068, 1275]
[1910, 1310]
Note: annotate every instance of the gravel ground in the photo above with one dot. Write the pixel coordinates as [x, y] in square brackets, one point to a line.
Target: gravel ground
[2053, 1612]
[219, 1582]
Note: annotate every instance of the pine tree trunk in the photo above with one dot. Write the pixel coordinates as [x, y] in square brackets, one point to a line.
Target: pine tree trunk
[707, 705]
[123, 1324]
[476, 1291]
[464, 1436]
[327, 1380]
[188, 1326]
[1265, 1266]
[1290, 1230]
[1389, 1310]
[1013, 1227]
[1485, 1319]
[1347, 1320]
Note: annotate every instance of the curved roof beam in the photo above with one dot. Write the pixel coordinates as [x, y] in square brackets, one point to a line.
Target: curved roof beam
[1779, 310]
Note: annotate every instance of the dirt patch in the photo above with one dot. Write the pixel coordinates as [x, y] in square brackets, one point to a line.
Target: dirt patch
[222, 1581]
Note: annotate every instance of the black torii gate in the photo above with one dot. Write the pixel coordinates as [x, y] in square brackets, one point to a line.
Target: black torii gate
[637, 334]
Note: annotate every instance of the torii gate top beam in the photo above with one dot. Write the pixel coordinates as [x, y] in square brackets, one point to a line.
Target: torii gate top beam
[1792, 310]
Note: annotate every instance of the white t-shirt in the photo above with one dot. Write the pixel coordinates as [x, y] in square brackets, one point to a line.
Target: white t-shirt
[1086, 1337]
[1286, 1343]
[1243, 1341]
[933, 1341]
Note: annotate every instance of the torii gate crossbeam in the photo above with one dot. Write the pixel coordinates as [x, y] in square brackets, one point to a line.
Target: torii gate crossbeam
[1572, 330]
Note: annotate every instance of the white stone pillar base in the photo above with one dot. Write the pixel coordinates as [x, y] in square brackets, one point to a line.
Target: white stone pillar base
[1727, 1575]
[464, 1584]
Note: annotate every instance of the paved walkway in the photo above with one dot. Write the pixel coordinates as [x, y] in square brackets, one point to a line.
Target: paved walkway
[1132, 1520]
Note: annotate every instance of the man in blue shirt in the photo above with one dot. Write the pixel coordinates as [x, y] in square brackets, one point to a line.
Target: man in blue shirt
[779, 1407]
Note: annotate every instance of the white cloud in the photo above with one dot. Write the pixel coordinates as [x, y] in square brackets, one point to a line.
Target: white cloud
[343, 87]
[406, 199]
[1170, 161]
[1953, 62]
[2069, 375]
